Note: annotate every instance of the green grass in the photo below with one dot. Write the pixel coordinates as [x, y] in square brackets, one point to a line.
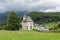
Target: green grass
[28, 35]
[53, 24]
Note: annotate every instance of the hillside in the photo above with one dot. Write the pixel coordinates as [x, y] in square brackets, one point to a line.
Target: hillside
[38, 17]
[3, 16]
[45, 17]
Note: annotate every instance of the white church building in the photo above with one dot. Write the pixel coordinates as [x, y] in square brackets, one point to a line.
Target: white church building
[28, 24]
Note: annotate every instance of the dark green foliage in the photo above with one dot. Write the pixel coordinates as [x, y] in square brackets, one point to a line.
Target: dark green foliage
[45, 17]
[58, 25]
[13, 22]
[2, 26]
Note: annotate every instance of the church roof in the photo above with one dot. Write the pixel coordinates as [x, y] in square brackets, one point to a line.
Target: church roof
[27, 19]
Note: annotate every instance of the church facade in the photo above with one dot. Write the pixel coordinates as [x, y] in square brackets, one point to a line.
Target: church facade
[27, 23]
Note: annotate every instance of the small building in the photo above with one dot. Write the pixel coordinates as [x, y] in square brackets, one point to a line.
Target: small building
[43, 27]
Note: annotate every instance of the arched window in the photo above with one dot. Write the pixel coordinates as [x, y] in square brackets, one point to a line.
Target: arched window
[30, 27]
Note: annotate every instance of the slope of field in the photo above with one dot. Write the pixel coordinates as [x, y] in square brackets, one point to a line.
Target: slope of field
[52, 24]
[28, 35]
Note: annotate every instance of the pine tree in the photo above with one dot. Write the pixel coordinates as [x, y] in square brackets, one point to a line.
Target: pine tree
[13, 22]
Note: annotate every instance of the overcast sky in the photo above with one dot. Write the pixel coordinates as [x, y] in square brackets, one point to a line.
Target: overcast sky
[31, 5]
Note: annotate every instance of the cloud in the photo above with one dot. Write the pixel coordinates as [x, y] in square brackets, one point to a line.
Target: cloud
[31, 5]
[57, 9]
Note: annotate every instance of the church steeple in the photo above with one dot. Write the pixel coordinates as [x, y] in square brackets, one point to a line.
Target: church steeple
[24, 17]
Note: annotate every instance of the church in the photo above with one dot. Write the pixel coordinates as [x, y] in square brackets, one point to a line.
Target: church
[28, 24]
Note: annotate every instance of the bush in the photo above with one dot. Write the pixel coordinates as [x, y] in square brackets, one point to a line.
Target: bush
[53, 30]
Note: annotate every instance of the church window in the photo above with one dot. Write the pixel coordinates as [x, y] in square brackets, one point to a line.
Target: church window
[30, 27]
[27, 27]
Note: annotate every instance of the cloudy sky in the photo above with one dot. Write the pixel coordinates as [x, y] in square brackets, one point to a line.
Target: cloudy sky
[30, 5]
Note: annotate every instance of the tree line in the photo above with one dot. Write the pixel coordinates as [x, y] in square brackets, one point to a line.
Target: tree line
[13, 21]
[45, 17]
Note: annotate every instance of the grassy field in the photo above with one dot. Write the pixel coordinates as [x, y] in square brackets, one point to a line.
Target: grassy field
[28, 35]
[53, 24]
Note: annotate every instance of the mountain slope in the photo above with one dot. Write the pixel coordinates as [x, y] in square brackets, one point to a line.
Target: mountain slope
[45, 17]
[4, 16]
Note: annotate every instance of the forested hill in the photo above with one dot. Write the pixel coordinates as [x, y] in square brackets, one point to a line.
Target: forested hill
[45, 17]
[3, 16]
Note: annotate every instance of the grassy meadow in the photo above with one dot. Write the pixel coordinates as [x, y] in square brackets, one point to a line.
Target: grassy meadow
[28, 35]
[52, 24]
